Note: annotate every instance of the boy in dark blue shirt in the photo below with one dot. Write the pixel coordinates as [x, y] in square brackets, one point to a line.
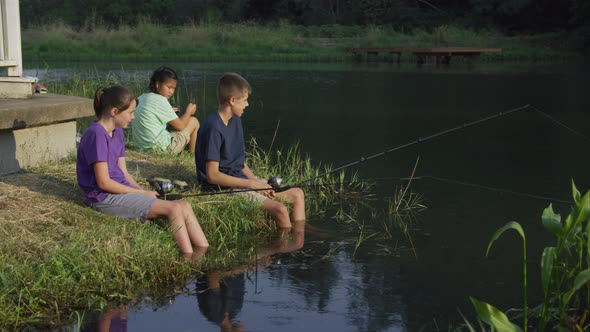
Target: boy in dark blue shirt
[221, 153]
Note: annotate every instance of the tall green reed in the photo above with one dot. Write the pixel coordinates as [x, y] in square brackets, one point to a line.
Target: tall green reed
[565, 273]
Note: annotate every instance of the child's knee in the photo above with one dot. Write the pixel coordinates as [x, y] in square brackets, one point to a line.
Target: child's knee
[300, 193]
[194, 123]
[281, 211]
[275, 208]
[184, 206]
[297, 195]
[177, 208]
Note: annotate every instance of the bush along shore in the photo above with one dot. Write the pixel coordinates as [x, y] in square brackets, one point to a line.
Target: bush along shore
[279, 42]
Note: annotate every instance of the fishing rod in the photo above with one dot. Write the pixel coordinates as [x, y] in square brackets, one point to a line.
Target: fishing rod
[165, 187]
[416, 141]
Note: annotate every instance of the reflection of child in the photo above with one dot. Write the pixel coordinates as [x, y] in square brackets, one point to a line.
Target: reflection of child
[221, 154]
[112, 320]
[221, 301]
[109, 188]
[221, 294]
[154, 114]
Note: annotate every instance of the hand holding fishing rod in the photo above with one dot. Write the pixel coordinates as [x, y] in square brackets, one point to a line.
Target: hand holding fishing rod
[164, 187]
[276, 182]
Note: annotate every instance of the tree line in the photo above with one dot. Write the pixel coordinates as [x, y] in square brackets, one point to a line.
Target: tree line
[509, 16]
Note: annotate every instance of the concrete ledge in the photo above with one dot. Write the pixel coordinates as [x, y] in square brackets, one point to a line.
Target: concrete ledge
[42, 109]
[39, 129]
[21, 87]
[25, 148]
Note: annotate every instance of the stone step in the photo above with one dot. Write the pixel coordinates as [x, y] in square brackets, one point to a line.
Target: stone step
[17, 87]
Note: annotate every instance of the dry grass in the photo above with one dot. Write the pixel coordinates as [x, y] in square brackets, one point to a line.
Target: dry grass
[58, 256]
[65, 256]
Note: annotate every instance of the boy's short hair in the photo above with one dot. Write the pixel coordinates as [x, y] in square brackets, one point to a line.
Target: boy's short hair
[231, 85]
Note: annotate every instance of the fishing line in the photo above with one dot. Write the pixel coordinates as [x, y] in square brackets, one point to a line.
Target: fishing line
[475, 185]
[470, 184]
[561, 124]
[416, 141]
[380, 179]
[277, 187]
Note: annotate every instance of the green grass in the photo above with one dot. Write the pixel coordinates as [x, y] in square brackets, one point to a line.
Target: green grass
[59, 257]
[60, 260]
[281, 42]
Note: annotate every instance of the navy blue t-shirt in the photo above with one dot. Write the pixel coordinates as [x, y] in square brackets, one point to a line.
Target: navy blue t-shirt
[225, 144]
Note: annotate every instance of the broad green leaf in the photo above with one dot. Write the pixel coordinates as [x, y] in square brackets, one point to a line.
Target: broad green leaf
[569, 221]
[583, 208]
[551, 220]
[575, 192]
[547, 267]
[511, 225]
[582, 278]
[494, 317]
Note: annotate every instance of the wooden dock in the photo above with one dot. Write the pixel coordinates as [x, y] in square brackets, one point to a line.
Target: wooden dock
[437, 55]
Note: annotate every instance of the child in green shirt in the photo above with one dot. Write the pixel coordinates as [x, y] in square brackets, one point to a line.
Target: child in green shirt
[154, 115]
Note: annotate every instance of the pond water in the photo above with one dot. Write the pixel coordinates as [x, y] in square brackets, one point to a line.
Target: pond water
[479, 178]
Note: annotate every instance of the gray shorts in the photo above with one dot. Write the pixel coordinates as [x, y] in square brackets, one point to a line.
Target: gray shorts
[129, 206]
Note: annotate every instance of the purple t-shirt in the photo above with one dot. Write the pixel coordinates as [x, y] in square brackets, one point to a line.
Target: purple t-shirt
[97, 145]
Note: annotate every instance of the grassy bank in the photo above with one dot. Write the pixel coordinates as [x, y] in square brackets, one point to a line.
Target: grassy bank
[282, 42]
[59, 257]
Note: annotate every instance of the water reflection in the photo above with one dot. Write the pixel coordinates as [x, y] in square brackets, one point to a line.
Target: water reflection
[382, 288]
[220, 294]
[113, 320]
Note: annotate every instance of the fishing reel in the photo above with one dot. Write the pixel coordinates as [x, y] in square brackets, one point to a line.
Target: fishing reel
[165, 186]
[162, 186]
[276, 182]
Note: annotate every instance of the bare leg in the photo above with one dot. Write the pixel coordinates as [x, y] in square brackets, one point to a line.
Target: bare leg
[176, 213]
[296, 197]
[198, 254]
[193, 128]
[195, 232]
[278, 211]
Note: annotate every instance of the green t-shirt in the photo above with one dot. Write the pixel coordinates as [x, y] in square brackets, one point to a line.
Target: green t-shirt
[149, 126]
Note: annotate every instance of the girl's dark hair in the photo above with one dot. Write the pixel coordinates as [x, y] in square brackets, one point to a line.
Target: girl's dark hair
[162, 75]
[116, 96]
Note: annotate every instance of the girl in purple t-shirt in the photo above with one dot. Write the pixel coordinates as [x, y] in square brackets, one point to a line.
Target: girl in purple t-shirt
[108, 186]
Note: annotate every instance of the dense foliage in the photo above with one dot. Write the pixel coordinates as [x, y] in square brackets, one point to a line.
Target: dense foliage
[511, 15]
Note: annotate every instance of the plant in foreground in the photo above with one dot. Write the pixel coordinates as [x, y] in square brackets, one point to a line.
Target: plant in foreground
[565, 273]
